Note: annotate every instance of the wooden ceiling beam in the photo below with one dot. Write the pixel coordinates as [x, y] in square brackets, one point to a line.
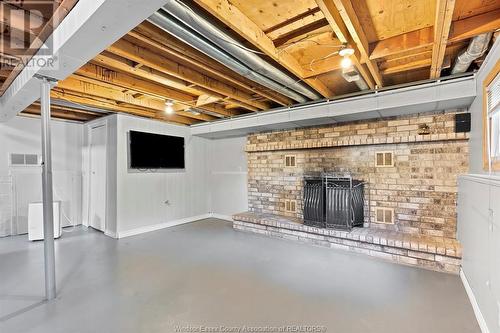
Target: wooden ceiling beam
[336, 21]
[139, 54]
[118, 63]
[154, 105]
[114, 106]
[291, 20]
[475, 25]
[351, 21]
[147, 33]
[112, 61]
[460, 30]
[129, 82]
[60, 113]
[442, 25]
[322, 66]
[231, 16]
[414, 40]
[303, 30]
[157, 105]
[422, 63]
[180, 109]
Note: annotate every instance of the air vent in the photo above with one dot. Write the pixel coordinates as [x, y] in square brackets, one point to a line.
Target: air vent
[384, 159]
[24, 159]
[291, 206]
[290, 161]
[384, 215]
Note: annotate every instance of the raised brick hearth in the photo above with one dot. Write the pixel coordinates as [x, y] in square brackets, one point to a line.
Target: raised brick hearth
[409, 177]
[435, 253]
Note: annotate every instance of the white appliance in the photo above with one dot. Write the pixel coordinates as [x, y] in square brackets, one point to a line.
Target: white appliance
[35, 220]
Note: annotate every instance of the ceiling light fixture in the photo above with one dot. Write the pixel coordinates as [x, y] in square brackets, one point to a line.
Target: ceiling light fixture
[345, 53]
[169, 107]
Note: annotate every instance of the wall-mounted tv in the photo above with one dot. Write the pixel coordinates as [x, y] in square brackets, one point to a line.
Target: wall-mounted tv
[156, 151]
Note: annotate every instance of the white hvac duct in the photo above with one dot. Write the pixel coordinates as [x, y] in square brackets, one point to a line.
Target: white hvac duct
[237, 50]
[172, 26]
[477, 47]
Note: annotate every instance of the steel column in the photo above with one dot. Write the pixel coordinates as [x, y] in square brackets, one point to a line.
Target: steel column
[48, 214]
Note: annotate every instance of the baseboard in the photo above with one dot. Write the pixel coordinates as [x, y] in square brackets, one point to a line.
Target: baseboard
[111, 234]
[222, 217]
[475, 305]
[142, 230]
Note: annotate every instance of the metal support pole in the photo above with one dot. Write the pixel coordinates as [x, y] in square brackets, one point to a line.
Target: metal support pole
[48, 214]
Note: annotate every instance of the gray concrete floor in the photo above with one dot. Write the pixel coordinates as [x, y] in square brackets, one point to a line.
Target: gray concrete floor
[207, 274]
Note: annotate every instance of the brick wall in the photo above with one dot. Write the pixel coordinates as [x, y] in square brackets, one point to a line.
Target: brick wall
[421, 187]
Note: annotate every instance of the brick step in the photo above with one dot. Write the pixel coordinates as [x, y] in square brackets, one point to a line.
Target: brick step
[435, 253]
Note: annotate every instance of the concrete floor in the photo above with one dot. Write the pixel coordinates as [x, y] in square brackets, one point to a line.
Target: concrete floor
[207, 274]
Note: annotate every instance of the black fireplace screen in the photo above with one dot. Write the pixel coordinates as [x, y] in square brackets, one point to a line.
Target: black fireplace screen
[333, 201]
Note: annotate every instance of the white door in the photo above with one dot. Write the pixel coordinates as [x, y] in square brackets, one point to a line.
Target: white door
[97, 202]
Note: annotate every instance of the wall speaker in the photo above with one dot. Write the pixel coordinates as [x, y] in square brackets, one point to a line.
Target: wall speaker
[462, 122]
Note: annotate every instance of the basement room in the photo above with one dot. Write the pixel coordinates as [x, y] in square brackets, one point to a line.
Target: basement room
[250, 166]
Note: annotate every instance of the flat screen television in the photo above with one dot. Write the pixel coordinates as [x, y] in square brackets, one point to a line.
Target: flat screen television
[156, 151]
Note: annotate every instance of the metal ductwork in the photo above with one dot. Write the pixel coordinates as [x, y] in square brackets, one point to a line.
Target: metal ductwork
[477, 47]
[351, 74]
[234, 48]
[171, 25]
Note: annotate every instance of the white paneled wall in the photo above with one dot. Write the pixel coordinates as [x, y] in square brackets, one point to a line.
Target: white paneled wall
[479, 233]
[142, 196]
[22, 135]
[228, 176]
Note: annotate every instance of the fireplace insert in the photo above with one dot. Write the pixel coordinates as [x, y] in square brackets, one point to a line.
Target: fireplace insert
[333, 201]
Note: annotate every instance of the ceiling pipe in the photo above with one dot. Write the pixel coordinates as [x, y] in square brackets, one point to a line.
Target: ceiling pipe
[227, 43]
[172, 26]
[477, 47]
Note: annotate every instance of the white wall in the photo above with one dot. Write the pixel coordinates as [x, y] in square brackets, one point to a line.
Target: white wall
[136, 200]
[227, 162]
[22, 135]
[479, 215]
[479, 233]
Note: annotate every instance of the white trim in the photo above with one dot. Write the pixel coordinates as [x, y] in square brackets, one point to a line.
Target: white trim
[473, 302]
[142, 230]
[111, 234]
[98, 123]
[222, 217]
[480, 178]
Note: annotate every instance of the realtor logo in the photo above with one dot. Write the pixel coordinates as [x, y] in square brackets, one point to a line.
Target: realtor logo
[24, 30]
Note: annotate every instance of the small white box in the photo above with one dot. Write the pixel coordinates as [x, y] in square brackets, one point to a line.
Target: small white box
[35, 220]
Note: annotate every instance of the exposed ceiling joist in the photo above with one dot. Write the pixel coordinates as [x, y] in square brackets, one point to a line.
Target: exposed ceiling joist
[442, 24]
[231, 16]
[129, 82]
[141, 55]
[338, 26]
[156, 38]
[475, 25]
[351, 21]
[303, 30]
[422, 38]
[402, 43]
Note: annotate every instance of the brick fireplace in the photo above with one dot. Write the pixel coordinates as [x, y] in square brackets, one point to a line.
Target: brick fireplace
[410, 179]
